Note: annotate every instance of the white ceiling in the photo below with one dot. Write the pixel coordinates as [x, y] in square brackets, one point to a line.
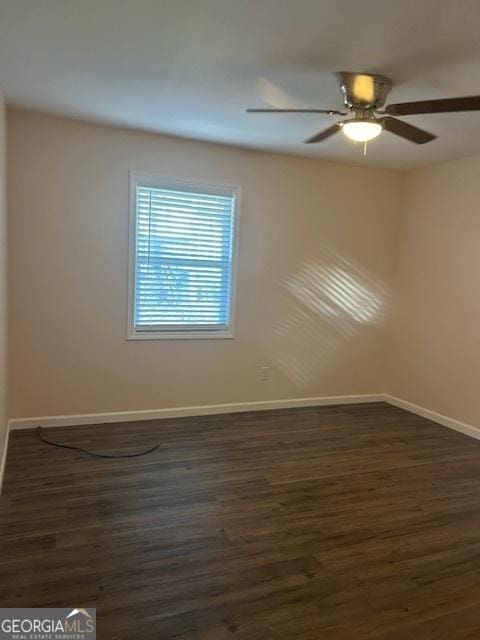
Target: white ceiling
[191, 67]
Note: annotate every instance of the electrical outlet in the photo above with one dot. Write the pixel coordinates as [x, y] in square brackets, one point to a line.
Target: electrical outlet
[264, 373]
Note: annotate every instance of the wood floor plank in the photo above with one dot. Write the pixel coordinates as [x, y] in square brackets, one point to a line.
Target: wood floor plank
[358, 521]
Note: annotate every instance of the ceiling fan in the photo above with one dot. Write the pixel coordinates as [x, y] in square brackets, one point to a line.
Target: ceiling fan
[364, 95]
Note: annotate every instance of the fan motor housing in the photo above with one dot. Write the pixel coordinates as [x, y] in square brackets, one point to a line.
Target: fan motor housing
[364, 91]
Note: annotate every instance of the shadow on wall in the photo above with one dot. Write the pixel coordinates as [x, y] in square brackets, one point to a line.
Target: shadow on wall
[328, 301]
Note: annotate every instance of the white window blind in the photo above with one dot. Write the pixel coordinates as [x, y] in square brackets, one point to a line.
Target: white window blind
[183, 259]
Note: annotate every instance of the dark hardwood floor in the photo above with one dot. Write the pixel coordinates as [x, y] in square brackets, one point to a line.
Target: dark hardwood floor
[353, 522]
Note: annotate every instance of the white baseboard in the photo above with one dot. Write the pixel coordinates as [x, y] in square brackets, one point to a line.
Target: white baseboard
[183, 412]
[3, 460]
[451, 423]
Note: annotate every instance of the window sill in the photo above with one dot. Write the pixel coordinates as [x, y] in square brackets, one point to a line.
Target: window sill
[179, 335]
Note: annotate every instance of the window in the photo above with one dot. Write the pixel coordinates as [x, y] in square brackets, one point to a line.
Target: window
[182, 258]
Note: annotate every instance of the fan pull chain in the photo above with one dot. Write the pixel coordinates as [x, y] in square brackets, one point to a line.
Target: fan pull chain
[365, 148]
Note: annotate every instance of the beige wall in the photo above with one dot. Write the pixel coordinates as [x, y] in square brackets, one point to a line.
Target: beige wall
[3, 286]
[317, 251]
[434, 357]
[316, 243]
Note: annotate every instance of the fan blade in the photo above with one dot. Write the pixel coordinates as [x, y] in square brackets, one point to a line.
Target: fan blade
[329, 112]
[407, 131]
[469, 103]
[323, 135]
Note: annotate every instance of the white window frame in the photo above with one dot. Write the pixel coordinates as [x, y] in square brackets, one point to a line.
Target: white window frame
[164, 181]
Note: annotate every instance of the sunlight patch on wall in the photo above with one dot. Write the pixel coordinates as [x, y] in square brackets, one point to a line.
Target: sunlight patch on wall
[338, 289]
[329, 299]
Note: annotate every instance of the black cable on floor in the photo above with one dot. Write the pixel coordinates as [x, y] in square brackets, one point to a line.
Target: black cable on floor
[92, 453]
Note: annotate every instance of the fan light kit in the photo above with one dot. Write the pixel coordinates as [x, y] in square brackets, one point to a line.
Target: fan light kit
[364, 96]
[361, 130]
